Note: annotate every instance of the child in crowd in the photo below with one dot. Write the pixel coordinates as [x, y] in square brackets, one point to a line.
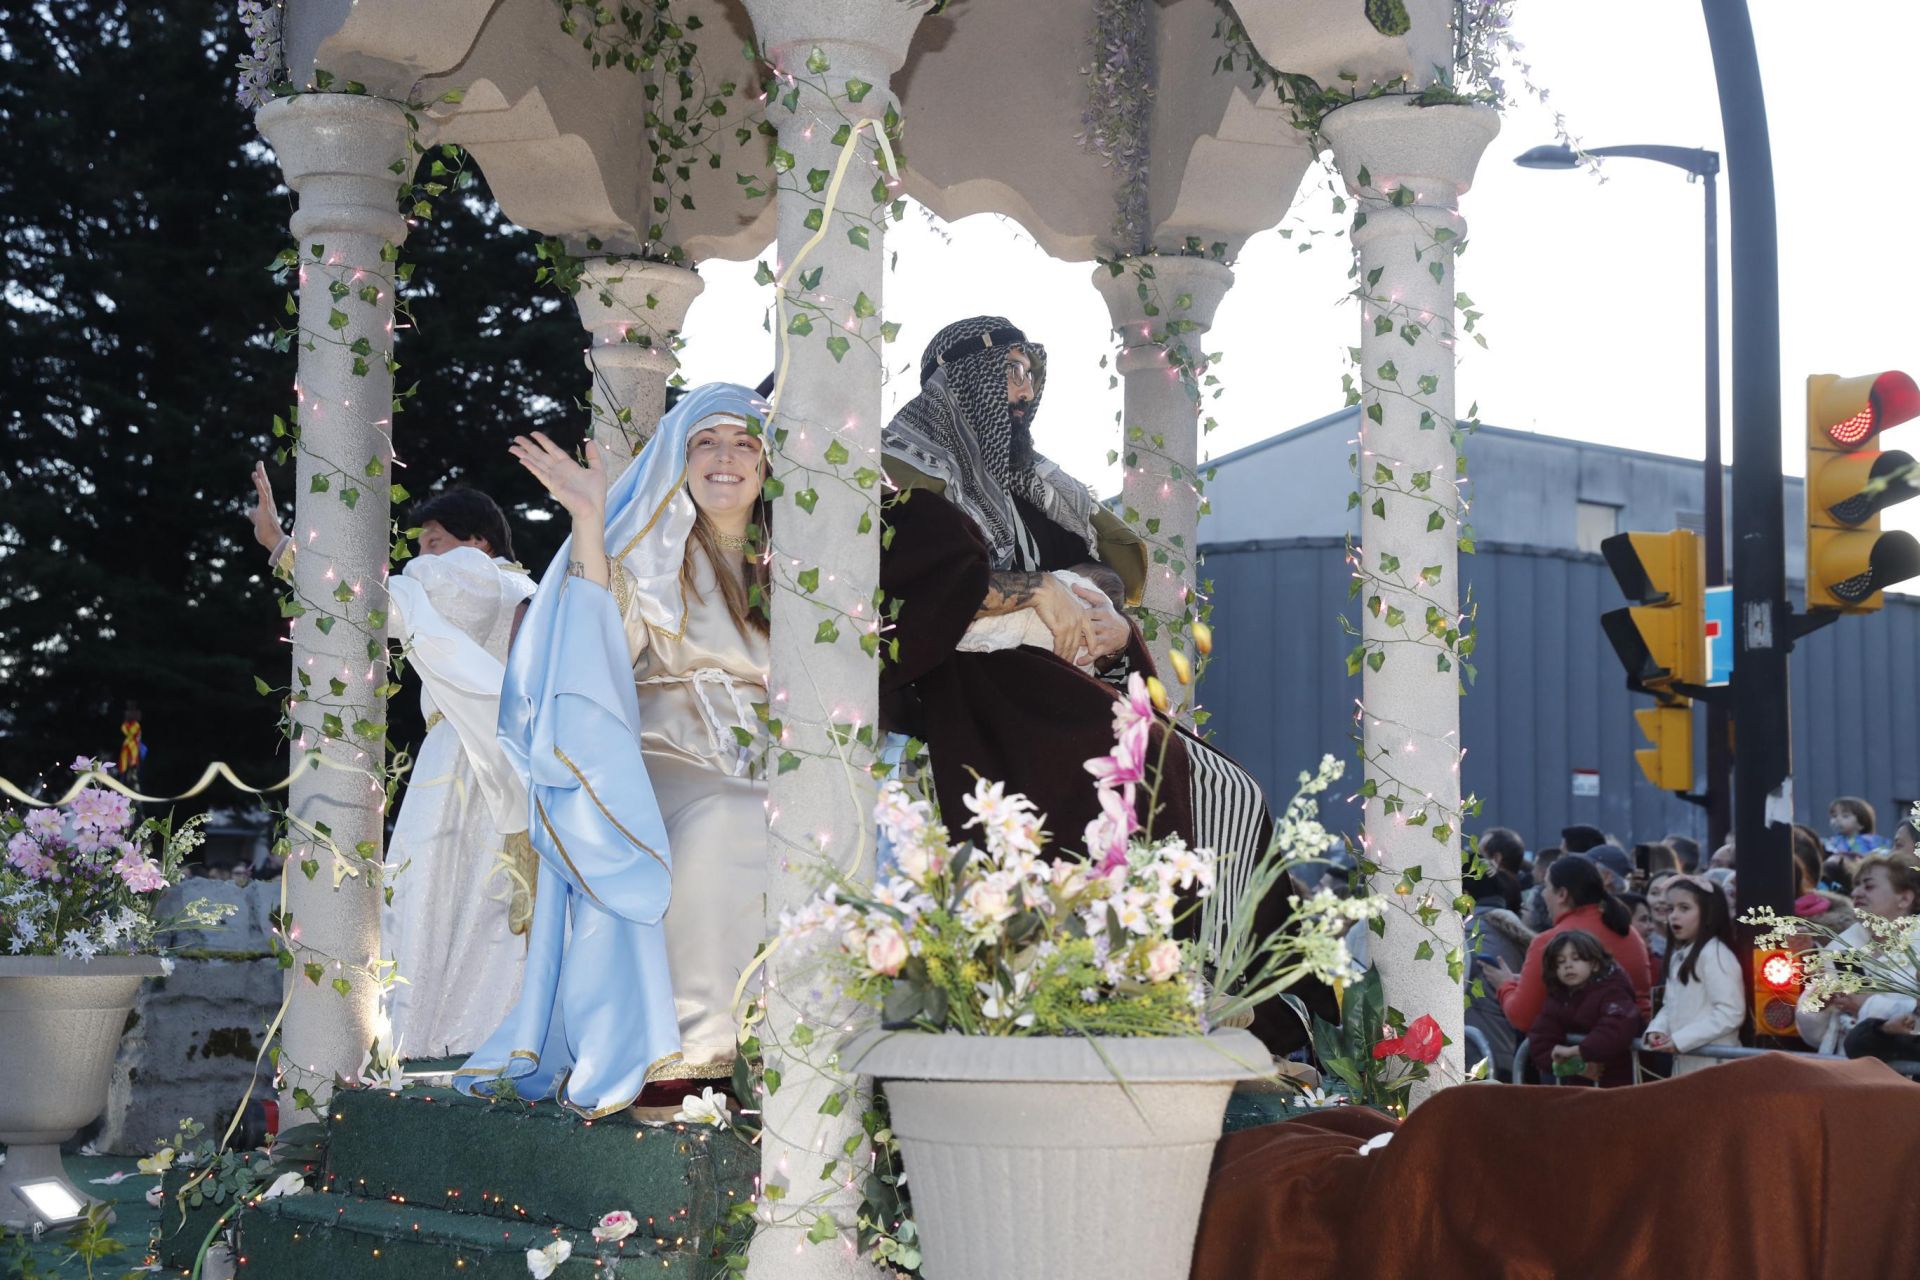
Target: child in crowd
[1705, 994]
[1851, 820]
[1587, 995]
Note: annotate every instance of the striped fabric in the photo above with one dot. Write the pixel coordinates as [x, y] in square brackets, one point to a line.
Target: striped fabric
[1230, 818]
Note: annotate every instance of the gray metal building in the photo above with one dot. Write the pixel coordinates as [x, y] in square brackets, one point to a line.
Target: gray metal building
[1548, 725]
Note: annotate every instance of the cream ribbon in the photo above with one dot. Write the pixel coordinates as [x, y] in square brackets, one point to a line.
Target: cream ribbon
[702, 681]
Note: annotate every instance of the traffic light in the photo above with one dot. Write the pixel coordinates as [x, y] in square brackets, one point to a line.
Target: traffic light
[1662, 641]
[1777, 981]
[1848, 559]
[1668, 763]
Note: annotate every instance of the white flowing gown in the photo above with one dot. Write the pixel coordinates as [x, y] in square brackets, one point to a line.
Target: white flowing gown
[446, 928]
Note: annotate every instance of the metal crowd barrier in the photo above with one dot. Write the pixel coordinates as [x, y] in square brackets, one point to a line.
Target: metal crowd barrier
[1719, 1052]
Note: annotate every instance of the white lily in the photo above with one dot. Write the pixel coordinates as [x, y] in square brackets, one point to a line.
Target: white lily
[706, 1107]
[287, 1184]
[544, 1262]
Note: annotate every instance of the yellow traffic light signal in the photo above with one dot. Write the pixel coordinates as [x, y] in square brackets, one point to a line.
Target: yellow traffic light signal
[1849, 560]
[1662, 639]
[1668, 763]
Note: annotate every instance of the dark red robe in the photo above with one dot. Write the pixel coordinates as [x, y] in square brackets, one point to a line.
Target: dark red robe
[1018, 716]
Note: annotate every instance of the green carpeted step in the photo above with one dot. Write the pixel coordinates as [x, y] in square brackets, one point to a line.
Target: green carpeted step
[329, 1237]
[534, 1163]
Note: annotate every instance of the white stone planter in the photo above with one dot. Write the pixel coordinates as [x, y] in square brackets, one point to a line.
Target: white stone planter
[60, 1023]
[1026, 1157]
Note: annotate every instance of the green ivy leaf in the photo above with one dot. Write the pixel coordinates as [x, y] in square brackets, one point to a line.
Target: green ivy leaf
[1382, 325]
[1377, 659]
[837, 347]
[817, 179]
[762, 273]
[828, 633]
[836, 453]
[812, 221]
[806, 500]
[808, 580]
[857, 90]
[863, 306]
[342, 986]
[800, 325]
[857, 235]
[817, 61]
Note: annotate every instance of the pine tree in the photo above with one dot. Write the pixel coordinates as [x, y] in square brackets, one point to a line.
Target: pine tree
[139, 211]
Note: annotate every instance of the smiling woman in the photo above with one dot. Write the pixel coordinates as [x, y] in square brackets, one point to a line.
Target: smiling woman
[630, 710]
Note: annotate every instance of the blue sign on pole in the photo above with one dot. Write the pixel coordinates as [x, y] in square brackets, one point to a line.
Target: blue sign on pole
[1719, 635]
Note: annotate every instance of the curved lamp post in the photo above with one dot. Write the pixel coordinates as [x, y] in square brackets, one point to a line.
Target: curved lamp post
[1704, 165]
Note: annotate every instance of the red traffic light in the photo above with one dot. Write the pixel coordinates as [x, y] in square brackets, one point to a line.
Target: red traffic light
[1869, 405]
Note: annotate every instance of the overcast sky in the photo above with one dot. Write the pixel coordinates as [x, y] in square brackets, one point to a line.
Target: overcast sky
[1592, 290]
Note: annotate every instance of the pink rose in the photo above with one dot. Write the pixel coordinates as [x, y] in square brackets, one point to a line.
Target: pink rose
[886, 951]
[615, 1226]
[1163, 961]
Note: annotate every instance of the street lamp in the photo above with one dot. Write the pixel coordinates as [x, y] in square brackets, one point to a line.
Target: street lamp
[1706, 166]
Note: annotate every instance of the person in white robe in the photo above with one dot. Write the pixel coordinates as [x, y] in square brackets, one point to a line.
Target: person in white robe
[458, 862]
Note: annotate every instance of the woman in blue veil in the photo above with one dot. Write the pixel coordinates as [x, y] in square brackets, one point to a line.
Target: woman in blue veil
[628, 707]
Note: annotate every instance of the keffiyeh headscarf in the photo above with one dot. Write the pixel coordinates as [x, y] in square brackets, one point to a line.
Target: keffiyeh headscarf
[959, 430]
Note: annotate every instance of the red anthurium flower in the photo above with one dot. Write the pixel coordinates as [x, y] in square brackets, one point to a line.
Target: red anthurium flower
[1423, 1040]
[1389, 1046]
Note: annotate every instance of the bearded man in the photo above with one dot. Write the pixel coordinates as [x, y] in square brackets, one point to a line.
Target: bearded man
[978, 523]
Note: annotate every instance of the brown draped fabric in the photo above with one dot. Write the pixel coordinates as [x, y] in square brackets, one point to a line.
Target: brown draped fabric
[1018, 716]
[1781, 1167]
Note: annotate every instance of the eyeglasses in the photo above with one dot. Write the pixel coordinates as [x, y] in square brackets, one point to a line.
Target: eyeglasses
[1018, 374]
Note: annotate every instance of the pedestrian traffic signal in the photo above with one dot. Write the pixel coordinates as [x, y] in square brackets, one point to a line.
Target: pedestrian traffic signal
[1777, 983]
[1849, 560]
[1668, 763]
[1662, 638]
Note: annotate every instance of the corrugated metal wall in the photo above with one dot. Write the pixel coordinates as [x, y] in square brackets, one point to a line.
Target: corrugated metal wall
[1550, 697]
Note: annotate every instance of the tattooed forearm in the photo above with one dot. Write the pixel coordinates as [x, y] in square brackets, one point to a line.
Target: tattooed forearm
[1009, 590]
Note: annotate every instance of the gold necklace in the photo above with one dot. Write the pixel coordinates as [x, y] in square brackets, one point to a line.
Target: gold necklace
[731, 542]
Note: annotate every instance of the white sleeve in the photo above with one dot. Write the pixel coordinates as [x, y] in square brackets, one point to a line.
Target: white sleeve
[464, 681]
[463, 586]
[1012, 630]
[1726, 1005]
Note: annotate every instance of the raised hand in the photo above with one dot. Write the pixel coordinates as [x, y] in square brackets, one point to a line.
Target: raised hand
[266, 516]
[582, 491]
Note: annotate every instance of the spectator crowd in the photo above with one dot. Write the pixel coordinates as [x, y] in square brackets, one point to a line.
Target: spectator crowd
[1588, 956]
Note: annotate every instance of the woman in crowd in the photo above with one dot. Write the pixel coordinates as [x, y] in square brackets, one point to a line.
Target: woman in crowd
[629, 695]
[1578, 899]
[1887, 886]
[1706, 996]
[1813, 902]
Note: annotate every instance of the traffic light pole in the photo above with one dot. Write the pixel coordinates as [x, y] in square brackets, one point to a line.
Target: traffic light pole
[1719, 740]
[1763, 621]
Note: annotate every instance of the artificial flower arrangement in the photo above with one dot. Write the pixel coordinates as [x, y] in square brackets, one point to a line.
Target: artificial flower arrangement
[991, 935]
[82, 880]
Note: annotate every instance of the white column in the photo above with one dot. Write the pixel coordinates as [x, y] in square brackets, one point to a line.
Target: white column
[1406, 166]
[835, 58]
[632, 311]
[1161, 309]
[346, 156]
